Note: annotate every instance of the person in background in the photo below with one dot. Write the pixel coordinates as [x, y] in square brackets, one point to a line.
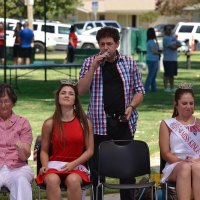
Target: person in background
[26, 38]
[68, 133]
[179, 141]
[116, 90]
[152, 59]
[72, 44]
[15, 147]
[170, 56]
[2, 44]
[16, 47]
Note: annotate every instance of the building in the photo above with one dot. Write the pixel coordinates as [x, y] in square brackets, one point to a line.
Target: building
[126, 12]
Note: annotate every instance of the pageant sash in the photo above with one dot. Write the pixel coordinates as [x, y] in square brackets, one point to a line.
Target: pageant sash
[187, 137]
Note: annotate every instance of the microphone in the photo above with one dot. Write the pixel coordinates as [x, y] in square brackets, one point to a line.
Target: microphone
[106, 54]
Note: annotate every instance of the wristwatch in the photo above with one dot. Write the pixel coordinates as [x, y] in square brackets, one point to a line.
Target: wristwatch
[131, 106]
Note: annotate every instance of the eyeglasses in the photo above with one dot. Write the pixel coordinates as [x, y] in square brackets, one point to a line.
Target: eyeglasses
[68, 82]
[6, 102]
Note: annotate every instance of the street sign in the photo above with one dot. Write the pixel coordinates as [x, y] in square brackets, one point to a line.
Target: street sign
[95, 5]
[29, 2]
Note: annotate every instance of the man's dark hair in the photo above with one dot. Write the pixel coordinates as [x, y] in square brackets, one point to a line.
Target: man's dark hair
[108, 31]
[72, 28]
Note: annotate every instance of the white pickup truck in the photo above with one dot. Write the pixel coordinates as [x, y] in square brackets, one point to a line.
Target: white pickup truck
[188, 32]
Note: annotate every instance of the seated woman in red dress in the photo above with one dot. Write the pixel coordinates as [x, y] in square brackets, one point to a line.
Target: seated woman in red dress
[68, 133]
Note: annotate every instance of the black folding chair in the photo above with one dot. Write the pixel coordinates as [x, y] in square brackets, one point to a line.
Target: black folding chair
[4, 190]
[122, 160]
[62, 187]
[168, 187]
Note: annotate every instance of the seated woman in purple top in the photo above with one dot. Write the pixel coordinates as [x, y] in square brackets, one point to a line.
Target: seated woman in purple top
[15, 148]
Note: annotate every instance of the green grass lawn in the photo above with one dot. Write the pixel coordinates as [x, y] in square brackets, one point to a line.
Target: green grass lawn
[36, 99]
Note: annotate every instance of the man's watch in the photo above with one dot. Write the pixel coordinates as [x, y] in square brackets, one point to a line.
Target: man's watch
[131, 106]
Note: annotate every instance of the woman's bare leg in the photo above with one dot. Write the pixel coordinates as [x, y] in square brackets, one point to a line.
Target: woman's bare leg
[196, 180]
[73, 184]
[53, 191]
[182, 175]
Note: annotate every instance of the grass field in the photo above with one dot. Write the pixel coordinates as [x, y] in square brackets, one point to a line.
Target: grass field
[36, 99]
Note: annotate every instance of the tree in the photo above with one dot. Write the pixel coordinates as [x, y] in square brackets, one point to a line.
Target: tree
[56, 9]
[14, 9]
[148, 17]
[173, 7]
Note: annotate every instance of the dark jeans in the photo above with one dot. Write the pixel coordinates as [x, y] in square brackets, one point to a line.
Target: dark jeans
[116, 131]
[70, 54]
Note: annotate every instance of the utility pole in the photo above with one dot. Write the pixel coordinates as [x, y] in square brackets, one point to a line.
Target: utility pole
[29, 4]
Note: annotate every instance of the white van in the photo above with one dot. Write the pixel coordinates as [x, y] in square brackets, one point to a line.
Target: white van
[10, 26]
[86, 25]
[57, 35]
[188, 32]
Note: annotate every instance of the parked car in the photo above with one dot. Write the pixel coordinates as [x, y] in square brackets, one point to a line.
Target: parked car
[159, 29]
[57, 35]
[10, 26]
[87, 39]
[188, 31]
[184, 48]
[86, 25]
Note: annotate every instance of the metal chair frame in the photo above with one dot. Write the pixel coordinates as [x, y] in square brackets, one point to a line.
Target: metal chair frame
[4, 190]
[124, 159]
[167, 185]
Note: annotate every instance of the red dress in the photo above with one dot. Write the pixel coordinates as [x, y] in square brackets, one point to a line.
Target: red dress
[69, 148]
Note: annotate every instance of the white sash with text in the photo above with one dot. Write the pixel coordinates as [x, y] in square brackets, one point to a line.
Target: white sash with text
[184, 134]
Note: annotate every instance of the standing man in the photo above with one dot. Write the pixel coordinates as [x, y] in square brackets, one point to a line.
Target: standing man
[116, 89]
[2, 43]
[26, 38]
[170, 56]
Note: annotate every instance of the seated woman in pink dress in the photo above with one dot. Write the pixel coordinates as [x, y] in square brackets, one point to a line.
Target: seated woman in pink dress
[68, 133]
[180, 145]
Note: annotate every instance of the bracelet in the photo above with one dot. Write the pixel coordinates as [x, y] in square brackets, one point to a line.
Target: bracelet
[131, 106]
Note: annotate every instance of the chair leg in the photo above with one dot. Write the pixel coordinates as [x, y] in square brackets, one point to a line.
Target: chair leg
[165, 192]
[38, 193]
[91, 192]
[102, 191]
[155, 193]
[142, 192]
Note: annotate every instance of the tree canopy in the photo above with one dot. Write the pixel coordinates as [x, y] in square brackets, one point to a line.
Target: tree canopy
[173, 7]
[56, 9]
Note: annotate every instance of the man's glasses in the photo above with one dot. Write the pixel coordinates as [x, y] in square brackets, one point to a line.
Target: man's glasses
[68, 82]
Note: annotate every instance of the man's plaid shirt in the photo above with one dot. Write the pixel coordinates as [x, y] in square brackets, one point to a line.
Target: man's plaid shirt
[132, 83]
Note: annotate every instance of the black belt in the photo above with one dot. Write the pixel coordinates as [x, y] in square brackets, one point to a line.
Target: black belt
[113, 115]
[119, 117]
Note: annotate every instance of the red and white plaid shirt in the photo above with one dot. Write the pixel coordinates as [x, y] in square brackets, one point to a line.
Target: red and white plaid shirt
[132, 83]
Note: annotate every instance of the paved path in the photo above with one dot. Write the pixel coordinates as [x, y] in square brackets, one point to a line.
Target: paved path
[114, 196]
